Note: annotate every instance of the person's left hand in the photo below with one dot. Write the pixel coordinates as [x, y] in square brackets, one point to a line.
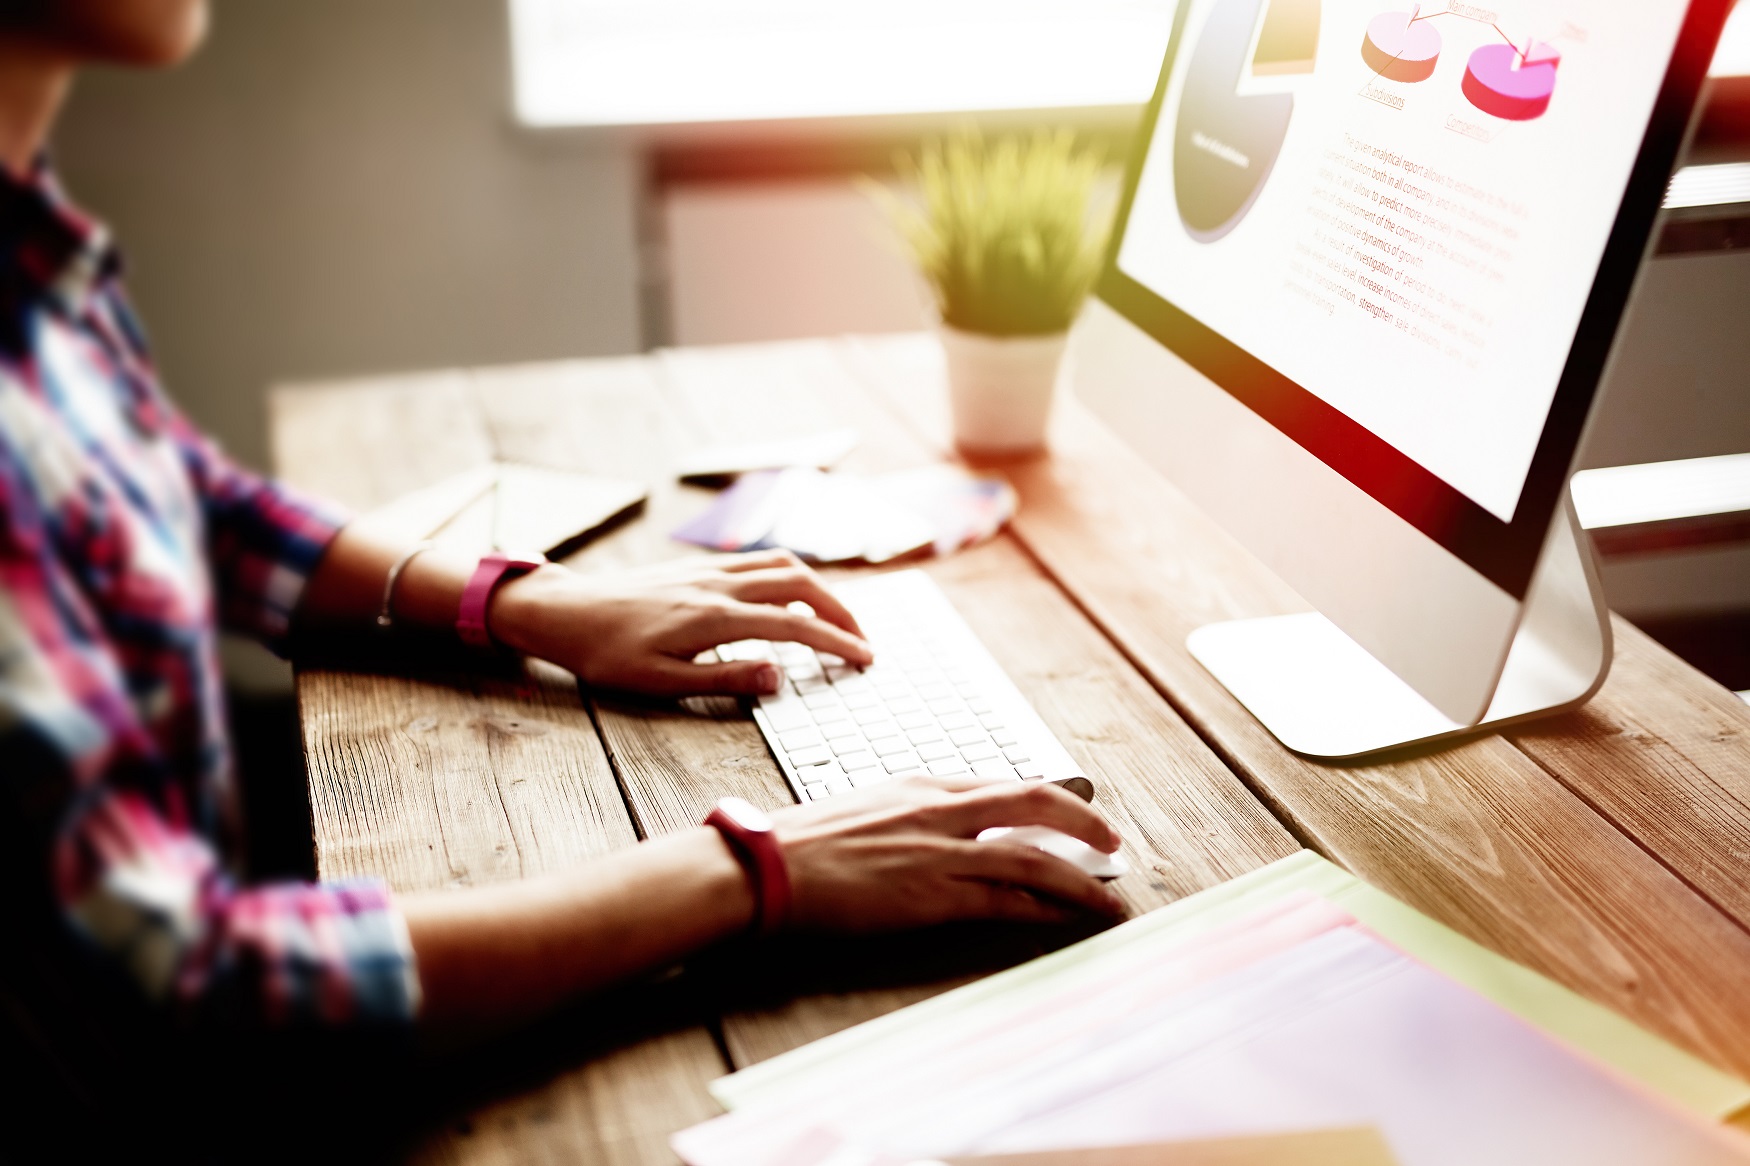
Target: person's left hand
[640, 630]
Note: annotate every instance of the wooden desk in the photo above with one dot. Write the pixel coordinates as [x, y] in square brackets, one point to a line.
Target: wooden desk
[1609, 849]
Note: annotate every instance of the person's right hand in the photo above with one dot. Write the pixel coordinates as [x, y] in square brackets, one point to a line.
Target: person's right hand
[904, 855]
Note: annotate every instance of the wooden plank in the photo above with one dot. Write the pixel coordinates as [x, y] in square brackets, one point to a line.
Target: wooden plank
[438, 779]
[1478, 835]
[1188, 822]
[1664, 753]
[363, 443]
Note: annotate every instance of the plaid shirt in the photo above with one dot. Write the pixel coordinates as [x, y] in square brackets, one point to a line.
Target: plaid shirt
[125, 535]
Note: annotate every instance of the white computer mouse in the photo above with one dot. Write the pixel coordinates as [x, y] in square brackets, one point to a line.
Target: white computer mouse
[1056, 842]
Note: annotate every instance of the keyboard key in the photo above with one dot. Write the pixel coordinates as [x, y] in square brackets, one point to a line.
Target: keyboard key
[933, 692]
[937, 751]
[869, 777]
[994, 771]
[838, 730]
[917, 720]
[806, 681]
[946, 705]
[840, 672]
[983, 751]
[839, 785]
[991, 721]
[847, 744]
[875, 729]
[814, 755]
[825, 771]
[830, 717]
[825, 698]
[799, 738]
[957, 720]
[949, 768]
[979, 705]
[903, 704]
[816, 793]
[1016, 755]
[860, 701]
[888, 746]
[1007, 738]
[924, 735]
[865, 716]
[907, 762]
[862, 759]
[1030, 770]
[967, 736]
[852, 683]
[785, 716]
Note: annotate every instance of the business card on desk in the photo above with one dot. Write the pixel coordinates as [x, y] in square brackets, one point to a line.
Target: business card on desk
[721, 464]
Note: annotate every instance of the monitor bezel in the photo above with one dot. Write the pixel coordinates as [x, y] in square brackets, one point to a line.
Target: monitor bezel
[1506, 553]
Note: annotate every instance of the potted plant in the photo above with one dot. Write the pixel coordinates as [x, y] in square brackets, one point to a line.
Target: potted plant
[1001, 232]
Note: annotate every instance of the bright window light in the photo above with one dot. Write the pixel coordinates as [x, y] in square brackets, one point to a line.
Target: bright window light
[1732, 58]
[652, 62]
[678, 62]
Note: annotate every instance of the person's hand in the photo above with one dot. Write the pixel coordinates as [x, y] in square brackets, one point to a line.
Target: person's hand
[640, 630]
[904, 854]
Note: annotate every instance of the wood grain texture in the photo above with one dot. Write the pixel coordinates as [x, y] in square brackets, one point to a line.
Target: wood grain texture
[441, 779]
[1479, 835]
[1664, 753]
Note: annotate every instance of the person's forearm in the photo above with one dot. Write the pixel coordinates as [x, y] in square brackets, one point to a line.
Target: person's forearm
[346, 591]
[496, 956]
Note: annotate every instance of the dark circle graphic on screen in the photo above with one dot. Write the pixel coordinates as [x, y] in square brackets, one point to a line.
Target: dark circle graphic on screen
[1224, 145]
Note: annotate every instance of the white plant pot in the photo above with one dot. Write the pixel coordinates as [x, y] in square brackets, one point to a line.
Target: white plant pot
[1001, 388]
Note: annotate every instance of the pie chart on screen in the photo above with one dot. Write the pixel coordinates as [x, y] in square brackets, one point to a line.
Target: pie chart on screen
[1509, 84]
[1225, 143]
[1400, 47]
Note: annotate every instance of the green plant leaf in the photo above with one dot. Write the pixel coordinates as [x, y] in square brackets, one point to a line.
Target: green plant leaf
[1001, 229]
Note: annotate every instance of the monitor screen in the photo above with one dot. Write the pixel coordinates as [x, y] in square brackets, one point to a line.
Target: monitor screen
[1381, 225]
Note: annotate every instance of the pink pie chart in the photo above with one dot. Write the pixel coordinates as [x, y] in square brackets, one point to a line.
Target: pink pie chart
[1401, 48]
[1497, 81]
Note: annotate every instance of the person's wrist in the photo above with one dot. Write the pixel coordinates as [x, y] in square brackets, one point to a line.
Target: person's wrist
[514, 613]
[752, 838]
[731, 890]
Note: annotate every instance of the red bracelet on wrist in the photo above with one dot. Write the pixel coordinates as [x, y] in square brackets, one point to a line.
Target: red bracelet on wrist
[494, 569]
[749, 833]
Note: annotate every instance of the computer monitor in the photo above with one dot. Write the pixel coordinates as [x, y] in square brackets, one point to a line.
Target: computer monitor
[1365, 276]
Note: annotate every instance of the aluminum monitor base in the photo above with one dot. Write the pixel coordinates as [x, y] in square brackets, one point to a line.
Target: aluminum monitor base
[1325, 696]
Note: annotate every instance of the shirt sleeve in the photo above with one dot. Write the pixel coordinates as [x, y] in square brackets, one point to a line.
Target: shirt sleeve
[263, 537]
[149, 893]
[126, 869]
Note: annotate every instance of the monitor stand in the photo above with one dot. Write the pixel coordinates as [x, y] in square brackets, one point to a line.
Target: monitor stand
[1325, 696]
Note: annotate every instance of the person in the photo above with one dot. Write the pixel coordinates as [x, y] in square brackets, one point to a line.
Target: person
[127, 537]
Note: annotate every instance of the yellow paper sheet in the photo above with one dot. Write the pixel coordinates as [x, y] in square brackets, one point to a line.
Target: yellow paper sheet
[1655, 1063]
[1360, 1146]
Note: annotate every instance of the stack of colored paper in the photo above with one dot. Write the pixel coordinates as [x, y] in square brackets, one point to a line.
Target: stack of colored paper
[1295, 998]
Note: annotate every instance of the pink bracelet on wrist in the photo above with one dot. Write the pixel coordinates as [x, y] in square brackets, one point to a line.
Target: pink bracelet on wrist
[494, 569]
[754, 842]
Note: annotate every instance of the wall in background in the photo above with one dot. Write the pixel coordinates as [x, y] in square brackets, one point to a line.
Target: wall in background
[336, 187]
[779, 260]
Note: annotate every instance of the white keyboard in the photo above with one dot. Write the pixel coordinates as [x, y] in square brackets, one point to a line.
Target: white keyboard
[933, 702]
